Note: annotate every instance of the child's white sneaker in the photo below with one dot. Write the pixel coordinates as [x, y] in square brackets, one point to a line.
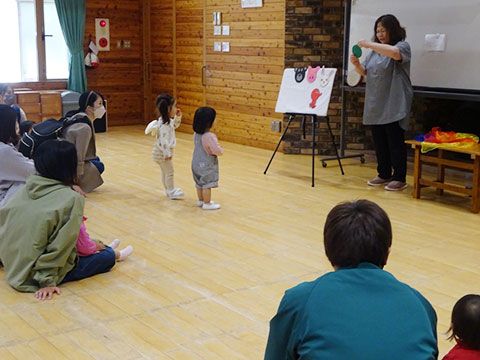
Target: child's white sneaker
[176, 193]
[210, 206]
[200, 203]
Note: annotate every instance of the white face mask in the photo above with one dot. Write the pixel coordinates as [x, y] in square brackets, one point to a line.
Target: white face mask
[99, 112]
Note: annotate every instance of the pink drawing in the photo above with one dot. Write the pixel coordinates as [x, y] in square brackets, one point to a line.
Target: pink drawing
[315, 95]
[312, 73]
[325, 78]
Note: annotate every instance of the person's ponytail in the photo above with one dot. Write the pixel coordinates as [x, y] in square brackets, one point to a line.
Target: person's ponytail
[163, 103]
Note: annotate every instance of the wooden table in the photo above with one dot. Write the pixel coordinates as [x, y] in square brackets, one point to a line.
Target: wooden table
[442, 163]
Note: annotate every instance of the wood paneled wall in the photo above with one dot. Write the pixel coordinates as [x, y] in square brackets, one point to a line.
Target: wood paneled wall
[120, 76]
[241, 85]
[162, 34]
[244, 83]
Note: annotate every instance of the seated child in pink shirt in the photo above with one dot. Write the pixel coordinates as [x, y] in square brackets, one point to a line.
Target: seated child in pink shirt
[86, 246]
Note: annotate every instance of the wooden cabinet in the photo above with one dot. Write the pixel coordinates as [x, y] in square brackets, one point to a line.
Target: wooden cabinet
[40, 105]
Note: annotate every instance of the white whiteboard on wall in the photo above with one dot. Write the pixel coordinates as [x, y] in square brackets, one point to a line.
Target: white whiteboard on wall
[311, 95]
[458, 67]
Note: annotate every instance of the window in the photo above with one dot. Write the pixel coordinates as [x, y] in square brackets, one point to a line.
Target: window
[32, 43]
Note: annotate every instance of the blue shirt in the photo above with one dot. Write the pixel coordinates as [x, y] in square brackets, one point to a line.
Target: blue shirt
[361, 313]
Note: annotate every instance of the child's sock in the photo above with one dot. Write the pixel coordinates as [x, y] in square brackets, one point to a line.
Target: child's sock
[125, 253]
[114, 244]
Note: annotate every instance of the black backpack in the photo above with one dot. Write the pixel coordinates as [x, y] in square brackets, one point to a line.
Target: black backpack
[47, 130]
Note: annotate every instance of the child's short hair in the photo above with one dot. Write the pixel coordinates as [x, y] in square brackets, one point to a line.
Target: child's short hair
[8, 120]
[357, 232]
[203, 119]
[466, 321]
[26, 126]
[57, 159]
[164, 103]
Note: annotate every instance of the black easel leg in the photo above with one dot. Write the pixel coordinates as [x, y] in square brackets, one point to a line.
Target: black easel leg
[334, 145]
[314, 120]
[280, 141]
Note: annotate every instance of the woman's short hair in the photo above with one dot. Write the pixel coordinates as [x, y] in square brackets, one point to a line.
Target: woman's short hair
[8, 120]
[203, 119]
[357, 232]
[396, 32]
[57, 159]
[466, 321]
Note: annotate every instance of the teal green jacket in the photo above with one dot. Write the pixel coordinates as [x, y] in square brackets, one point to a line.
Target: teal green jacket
[39, 229]
[360, 313]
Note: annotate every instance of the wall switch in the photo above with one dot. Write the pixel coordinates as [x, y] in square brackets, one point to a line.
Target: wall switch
[127, 44]
[276, 125]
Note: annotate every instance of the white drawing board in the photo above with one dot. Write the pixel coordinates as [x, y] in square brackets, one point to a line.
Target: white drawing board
[457, 67]
[310, 95]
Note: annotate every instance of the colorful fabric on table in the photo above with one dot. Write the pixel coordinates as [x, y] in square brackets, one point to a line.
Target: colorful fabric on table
[436, 137]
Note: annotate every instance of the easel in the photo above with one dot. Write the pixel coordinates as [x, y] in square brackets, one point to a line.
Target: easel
[292, 116]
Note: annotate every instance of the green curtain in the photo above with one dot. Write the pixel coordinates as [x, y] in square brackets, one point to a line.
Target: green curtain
[71, 14]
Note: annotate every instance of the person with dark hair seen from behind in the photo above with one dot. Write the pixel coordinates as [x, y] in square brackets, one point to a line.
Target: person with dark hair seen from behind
[7, 97]
[14, 167]
[163, 130]
[388, 99]
[465, 329]
[82, 135]
[205, 157]
[359, 311]
[40, 225]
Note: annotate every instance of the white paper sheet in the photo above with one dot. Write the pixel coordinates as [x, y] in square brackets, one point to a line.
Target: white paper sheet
[435, 42]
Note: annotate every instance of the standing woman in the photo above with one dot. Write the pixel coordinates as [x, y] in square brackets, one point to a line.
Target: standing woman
[82, 135]
[388, 98]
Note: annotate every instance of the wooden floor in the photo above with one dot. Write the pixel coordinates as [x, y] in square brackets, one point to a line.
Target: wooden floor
[204, 285]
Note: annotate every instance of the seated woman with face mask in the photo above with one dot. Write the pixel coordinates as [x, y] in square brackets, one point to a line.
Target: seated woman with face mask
[7, 97]
[82, 135]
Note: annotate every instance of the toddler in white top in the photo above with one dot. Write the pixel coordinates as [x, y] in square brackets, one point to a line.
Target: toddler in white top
[164, 132]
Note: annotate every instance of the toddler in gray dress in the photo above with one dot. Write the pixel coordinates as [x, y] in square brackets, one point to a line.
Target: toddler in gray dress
[205, 161]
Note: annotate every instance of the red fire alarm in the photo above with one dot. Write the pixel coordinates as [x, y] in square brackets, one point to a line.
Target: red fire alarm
[102, 34]
[103, 42]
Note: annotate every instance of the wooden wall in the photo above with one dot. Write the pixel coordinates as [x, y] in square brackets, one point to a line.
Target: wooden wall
[120, 74]
[244, 83]
[241, 85]
[162, 38]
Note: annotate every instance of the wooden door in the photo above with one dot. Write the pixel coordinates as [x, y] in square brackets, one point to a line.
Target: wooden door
[189, 58]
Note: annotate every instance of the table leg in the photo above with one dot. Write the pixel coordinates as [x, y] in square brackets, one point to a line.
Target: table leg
[440, 171]
[476, 185]
[417, 173]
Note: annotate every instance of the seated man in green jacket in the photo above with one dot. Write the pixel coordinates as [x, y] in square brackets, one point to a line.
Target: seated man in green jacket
[39, 227]
[359, 311]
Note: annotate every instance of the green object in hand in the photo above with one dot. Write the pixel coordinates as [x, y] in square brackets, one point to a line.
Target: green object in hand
[357, 51]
